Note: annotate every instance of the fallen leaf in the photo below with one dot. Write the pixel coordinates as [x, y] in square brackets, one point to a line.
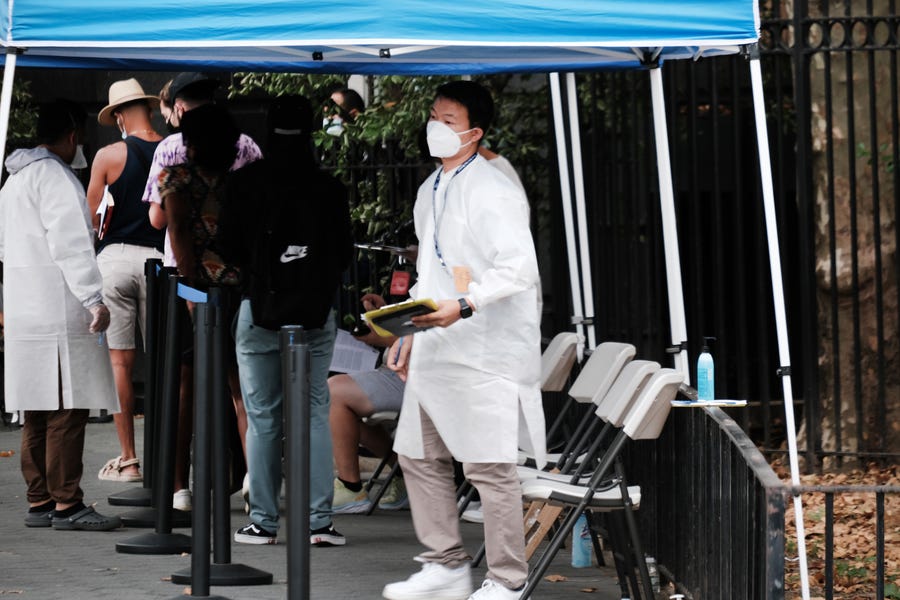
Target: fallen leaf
[555, 578]
[4, 454]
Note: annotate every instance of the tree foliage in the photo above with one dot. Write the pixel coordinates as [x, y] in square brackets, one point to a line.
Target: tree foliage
[386, 135]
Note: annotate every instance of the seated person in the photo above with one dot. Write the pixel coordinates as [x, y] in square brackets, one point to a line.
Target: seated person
[355, 396]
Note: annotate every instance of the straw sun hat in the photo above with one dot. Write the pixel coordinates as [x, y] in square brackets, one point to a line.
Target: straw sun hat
[120, 92]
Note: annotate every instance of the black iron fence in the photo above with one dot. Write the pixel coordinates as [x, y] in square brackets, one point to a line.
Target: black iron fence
[714, 519]
[849, 529]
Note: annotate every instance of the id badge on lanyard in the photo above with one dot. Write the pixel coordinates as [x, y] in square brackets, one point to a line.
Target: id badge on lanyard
[462, 276]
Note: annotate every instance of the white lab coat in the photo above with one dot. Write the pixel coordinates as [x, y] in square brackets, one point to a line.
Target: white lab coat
[50, 276]
[478, 379]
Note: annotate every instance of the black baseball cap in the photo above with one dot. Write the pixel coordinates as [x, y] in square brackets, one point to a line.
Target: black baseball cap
[200, 84]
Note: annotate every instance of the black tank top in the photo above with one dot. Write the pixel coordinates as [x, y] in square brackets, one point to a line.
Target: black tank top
[130, 223]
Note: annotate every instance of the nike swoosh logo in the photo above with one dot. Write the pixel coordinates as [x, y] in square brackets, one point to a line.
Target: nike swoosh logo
[294, 253]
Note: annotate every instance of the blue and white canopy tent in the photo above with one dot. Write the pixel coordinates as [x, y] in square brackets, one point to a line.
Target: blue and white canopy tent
[411, 37]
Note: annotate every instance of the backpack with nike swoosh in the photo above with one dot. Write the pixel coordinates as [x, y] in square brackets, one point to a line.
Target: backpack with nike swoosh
[298, 246]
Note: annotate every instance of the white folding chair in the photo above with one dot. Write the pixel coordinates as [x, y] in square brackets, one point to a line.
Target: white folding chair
[643, 421]
[591, 386]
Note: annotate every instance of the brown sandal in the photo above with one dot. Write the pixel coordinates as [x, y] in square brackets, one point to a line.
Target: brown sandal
[112, 470]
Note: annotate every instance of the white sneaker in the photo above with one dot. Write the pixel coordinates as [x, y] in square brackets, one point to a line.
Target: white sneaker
[473, 513]
[182, 500]
[433, 582]
[491, 590]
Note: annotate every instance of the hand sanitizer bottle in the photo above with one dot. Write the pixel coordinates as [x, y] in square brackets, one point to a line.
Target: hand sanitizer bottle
[706, 373]
[581, 543]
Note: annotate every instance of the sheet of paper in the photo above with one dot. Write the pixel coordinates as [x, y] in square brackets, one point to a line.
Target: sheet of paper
[351, 355]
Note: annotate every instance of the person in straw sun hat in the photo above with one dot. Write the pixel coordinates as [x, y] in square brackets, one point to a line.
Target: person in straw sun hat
[127, 240]
[127, 91]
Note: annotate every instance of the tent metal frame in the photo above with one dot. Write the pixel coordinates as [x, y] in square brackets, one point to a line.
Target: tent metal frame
[577, 242]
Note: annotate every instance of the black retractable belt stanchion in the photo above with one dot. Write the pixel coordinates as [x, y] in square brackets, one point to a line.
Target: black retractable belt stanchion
[204, 383]
[162, 540]
[143, 496]
[295, 380]
[222, 571]
[147, 517]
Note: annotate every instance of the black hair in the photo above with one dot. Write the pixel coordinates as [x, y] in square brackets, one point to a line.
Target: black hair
[211, 132]
[59, 118]
[474, 97]
[352, 100]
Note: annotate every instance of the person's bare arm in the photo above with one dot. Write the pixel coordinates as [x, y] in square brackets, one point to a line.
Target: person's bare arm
[106, 168]
[157, 216]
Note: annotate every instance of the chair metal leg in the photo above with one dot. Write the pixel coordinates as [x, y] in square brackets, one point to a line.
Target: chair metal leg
[393, 473]
[569, 523]
[371, 482]
[631, 523]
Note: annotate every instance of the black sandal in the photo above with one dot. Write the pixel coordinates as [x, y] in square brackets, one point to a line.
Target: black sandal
[87, 519]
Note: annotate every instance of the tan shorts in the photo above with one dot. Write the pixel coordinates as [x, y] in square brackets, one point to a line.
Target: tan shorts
[124, 291]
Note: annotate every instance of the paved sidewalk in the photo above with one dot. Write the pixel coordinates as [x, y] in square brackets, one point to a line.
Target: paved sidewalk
[44, 564]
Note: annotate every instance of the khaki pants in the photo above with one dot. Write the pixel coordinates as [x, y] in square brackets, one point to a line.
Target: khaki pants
[432, 498]
[52, 447]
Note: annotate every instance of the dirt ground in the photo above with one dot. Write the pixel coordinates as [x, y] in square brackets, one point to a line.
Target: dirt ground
[854, 570]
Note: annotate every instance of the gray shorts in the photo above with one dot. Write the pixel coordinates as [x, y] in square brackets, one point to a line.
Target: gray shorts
[382, 386]
[124, 290]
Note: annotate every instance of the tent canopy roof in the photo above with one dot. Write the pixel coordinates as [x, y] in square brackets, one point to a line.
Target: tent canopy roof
[406, 37]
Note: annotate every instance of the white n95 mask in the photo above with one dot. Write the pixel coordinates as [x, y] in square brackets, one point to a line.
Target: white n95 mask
[443, 142]
[79, 162]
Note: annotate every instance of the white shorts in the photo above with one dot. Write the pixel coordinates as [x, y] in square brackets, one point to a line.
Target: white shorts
[124, 291]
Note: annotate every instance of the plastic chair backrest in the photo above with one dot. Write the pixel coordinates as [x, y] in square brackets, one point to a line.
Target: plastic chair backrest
[626, 389]
[646, 419]
[600, 371]
[557, 360]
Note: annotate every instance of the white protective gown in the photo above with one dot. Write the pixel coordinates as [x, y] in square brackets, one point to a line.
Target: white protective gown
[478, 379]
[50, 274]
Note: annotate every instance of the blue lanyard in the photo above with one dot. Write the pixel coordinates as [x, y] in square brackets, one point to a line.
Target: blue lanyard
[437, 221]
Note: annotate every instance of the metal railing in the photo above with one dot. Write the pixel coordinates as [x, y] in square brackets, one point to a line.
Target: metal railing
[712, 510]
[852, 564]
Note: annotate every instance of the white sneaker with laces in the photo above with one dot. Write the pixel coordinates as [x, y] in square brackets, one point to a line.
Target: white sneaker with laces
[491, 590]
[433, 582]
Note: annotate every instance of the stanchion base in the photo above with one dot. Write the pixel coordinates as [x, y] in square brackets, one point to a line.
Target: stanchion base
[132, 497]
[186, 597]
[156, 543]
[146, 517]
[228, 574]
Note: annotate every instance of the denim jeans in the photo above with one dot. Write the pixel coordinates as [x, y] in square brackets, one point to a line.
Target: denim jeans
[259, 364]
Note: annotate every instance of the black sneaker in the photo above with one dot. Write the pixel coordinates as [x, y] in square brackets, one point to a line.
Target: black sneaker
[326, 536]
[254, 534]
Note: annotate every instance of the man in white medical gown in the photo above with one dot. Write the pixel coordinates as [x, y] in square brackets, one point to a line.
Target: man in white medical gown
[472, 388]
[56, 362]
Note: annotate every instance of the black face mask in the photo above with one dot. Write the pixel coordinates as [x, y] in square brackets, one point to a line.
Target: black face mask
[172, 129]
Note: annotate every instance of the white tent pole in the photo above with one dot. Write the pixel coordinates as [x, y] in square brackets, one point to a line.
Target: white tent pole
[6, 100]
[566, 194]
[784, 355]
[677, 319]
[578, 175]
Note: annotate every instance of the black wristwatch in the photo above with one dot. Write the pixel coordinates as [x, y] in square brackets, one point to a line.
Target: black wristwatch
[465, 311]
